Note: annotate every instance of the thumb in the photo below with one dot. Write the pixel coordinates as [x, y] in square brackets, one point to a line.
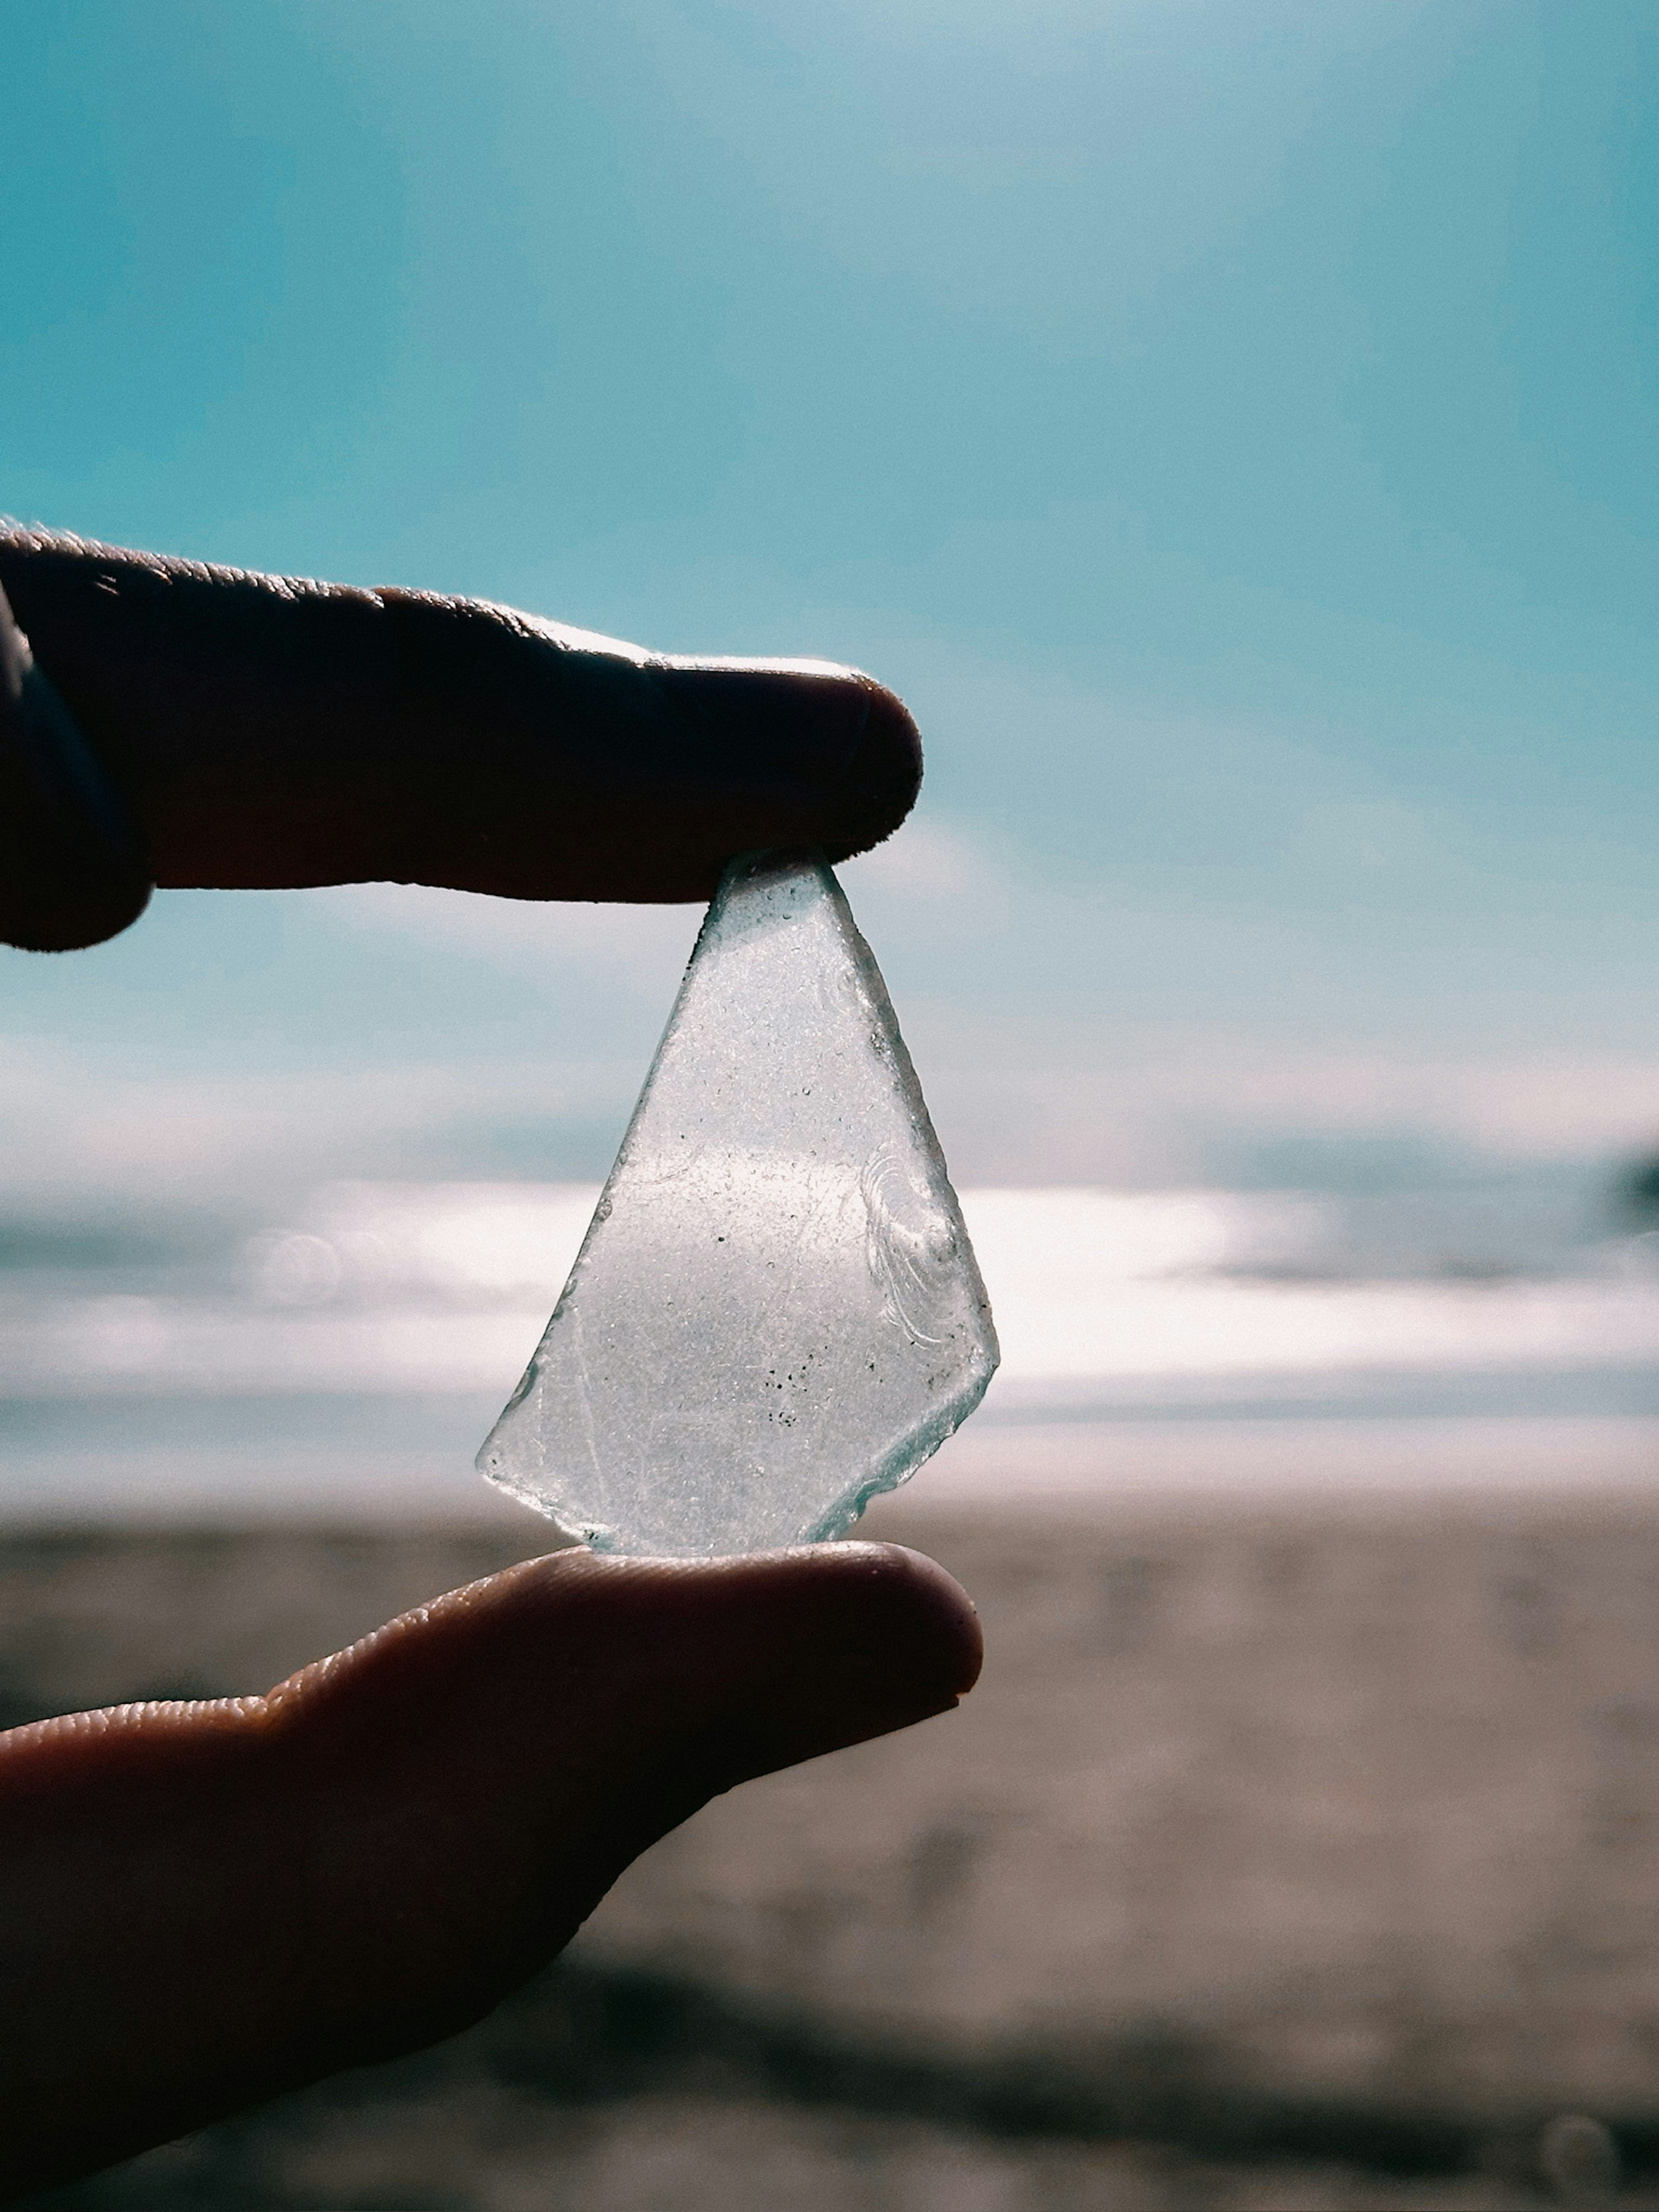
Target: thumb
[216, 1902]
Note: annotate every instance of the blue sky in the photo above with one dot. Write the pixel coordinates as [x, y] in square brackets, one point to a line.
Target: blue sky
[1234, 429]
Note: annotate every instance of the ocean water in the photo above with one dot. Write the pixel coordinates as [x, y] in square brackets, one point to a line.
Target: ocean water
[348, 1352]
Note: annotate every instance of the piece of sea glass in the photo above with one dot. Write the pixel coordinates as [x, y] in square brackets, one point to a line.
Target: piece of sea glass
[775, 1312]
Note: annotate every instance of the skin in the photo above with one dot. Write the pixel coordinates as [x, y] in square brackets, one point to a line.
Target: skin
[268, 732]
[207, 1904]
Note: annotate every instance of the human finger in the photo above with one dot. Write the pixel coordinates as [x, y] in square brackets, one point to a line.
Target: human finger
[210, 1902]
[272, 732]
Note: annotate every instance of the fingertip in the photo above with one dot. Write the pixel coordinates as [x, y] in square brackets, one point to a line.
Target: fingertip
[817, 1647]
[797, 1652]
[882, 778]
[927, 1621]
[797, 753]
[846, 749]
[385, 1845]
[878, 1605]
[271, 731]
[825, 1646]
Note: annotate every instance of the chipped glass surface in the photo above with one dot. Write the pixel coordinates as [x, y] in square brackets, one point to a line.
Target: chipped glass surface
[776, 1312]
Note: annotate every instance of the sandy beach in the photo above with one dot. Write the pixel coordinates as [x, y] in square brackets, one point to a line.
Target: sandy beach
[1285, 1837]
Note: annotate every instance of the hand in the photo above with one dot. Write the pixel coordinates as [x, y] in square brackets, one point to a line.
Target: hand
[231, 730]
[206, 1904]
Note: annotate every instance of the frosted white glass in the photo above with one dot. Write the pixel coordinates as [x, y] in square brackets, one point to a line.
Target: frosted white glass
[776, 1312]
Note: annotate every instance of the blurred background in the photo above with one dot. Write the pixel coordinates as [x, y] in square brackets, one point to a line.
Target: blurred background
[1234, 431]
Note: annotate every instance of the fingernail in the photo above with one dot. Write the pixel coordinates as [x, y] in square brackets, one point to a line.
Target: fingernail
[71, 868]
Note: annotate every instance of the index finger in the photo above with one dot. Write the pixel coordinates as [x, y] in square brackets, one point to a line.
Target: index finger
[271, 731]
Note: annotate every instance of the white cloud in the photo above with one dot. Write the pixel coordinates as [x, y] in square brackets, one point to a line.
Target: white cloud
[924, 864]
[90, 1126]
[641, 946]
[1052, 1022]
[1008, 1108]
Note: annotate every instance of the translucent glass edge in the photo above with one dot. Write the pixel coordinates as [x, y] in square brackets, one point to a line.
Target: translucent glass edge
[910, 1087]
[907, 1460]
[904, 1461]
[601, 1212]
[568, 1525]
[765, 861]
